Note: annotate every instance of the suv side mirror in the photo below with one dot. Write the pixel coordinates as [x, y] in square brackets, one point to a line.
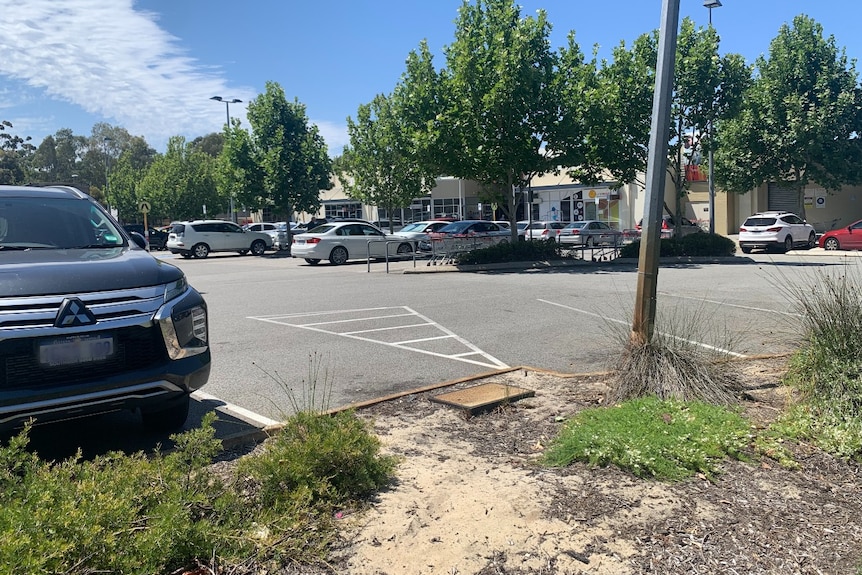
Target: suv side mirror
[139, 240]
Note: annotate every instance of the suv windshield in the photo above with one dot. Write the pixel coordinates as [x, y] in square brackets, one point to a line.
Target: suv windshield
[55, 223]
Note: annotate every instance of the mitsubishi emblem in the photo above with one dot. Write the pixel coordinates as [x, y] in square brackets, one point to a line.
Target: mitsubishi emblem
[74, 313]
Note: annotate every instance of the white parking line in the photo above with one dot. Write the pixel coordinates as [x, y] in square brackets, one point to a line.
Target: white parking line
[246, 415]
[725, 304]
[610, 319]
[296, 320]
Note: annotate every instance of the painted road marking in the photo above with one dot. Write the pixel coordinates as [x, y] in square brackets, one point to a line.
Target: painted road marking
[676, 337]
[405, 320]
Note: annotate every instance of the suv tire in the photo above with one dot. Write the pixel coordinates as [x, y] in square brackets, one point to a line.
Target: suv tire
[258, 248]
[201, 251]
[170, 419]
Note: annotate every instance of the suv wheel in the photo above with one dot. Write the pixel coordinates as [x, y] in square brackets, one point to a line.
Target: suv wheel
[788, 244]
[201, 250]
[812, 241]
[169, 419]
[258, 247]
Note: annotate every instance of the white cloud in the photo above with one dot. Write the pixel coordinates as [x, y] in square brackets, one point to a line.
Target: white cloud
[114, 62]
[335, 136]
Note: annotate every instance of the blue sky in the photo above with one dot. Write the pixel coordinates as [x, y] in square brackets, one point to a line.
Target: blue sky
[151, 66]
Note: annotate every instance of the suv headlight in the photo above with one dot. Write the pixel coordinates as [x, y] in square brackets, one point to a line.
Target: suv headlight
[176, 288]
[184, 322]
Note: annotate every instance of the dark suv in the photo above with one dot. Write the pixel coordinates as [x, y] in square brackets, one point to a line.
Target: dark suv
[89, 321]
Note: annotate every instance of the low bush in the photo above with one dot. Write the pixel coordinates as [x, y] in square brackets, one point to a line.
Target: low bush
[165, 513]
[653, 438]
[692, 245]
[527, 251]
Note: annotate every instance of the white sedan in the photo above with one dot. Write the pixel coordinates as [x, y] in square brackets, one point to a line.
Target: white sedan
[339, 242]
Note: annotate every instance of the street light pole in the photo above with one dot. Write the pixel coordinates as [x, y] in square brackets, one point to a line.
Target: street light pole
[227, 103]
[710, 4]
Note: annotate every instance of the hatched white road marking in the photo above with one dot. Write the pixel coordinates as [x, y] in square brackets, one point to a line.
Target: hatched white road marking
[473, 355]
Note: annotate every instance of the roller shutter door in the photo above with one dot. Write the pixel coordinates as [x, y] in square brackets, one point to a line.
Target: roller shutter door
[783, 199]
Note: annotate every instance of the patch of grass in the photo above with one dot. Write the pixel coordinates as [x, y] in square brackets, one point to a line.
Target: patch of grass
[653, 438]
[692, 245]
[527, 251]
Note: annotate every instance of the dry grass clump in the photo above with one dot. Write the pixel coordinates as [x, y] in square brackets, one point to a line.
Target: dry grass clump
[671, 368]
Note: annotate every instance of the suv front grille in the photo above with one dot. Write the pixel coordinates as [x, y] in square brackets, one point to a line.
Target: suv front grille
[137, 348]
[127, 315]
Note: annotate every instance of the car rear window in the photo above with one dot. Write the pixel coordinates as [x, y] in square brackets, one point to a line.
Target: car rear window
[759, 222]
[178, 228]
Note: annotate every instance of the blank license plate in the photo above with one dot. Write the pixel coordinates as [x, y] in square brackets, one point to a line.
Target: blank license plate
[76, 350]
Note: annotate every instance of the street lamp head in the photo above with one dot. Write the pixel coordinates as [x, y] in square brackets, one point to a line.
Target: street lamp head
[711, 4]
[216, 98]
[235, 101]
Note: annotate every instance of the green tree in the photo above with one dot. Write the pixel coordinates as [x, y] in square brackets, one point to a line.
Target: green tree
[380, 166]
[801, 120]
[210, 144]
[127, 173]
[14, 154]
[496, 100]
[180, 183]
[58, 158]
[283, 160]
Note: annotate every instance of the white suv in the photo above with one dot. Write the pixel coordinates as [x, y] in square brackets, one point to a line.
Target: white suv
[544, 230]
[200, 237]
[776, 230]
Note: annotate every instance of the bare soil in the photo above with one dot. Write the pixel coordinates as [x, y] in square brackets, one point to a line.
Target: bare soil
[470, 498]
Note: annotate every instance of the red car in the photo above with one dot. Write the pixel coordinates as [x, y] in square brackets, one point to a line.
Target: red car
[847, 238]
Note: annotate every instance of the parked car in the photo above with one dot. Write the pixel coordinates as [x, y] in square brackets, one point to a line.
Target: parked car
[544, 230]
[775, 230]
[420, 230]
[483, 231]
[590, 233]
[157, 238]
[200, 237]
[846, 238]
[267, 227]
[280, 239]
[92, 323]
[669, 229]
[522, 229]
[340, 242]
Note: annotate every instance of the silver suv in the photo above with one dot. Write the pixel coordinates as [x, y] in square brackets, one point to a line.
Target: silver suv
[90, 322]
[776, 230]
[200, 237]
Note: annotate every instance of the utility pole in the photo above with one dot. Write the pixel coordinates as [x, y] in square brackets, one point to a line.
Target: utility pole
[645, 301]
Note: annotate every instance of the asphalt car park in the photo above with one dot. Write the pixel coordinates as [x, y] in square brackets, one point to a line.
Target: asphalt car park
[376, 333]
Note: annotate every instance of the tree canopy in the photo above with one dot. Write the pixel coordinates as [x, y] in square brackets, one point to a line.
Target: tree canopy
[800, 121]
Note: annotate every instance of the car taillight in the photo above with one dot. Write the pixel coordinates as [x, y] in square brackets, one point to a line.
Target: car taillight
[743, 230]
[664, 225]
[544, 232]
[575, 232]
[775, 229]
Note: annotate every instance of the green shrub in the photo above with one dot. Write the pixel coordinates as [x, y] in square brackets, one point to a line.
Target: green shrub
[163, 512]
[526, 251]
[827, 369]
[327, 459]
[692, 245]
[667, 440]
